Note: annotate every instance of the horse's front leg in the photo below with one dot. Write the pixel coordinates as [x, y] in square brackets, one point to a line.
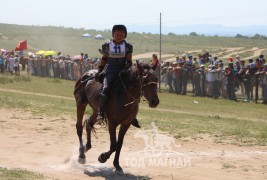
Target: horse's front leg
[112, 133]
[79, 128]
[122, 132]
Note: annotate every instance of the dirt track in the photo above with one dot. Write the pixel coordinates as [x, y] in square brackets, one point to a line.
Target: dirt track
[50, 146]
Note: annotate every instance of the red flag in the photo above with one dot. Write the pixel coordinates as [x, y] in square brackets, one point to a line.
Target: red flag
[21, 46]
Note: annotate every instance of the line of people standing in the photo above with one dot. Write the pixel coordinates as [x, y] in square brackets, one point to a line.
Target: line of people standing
[10, 64]
[210, 77]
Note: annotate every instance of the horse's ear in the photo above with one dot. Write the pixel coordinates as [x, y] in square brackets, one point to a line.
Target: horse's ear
[140, 68]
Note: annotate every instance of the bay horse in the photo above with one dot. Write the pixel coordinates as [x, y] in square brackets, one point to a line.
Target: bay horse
[121, 108]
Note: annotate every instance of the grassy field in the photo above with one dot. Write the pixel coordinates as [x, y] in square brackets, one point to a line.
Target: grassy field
[15, 174]
[183, 116]
[70, 42]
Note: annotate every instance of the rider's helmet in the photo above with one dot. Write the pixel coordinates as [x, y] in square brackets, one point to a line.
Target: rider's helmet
[120, 27]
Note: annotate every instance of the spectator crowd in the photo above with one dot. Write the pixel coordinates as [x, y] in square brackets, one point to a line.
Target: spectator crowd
[48, 66]
[211, 77]
[204, 75]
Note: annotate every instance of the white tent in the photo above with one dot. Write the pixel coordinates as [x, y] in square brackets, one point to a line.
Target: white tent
[99, 36]
[86, 35]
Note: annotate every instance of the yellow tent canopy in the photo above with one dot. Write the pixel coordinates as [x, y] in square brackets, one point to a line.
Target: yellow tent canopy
[49, 53]
[40, 52]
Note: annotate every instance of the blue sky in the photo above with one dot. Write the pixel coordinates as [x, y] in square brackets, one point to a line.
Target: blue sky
[103, 14]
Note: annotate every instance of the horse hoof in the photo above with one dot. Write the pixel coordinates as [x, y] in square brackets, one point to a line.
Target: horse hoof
[119, 172]
[100, 159]
[82, 160]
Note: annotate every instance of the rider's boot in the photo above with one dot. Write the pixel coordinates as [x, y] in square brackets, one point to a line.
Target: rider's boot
[101, 111]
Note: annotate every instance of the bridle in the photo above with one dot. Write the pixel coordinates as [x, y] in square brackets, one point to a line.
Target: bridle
[134, 99]
[149, 83]
[141, 91]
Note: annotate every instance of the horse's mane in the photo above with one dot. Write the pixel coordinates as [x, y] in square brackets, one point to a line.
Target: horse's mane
[127, 77]
[146, 66]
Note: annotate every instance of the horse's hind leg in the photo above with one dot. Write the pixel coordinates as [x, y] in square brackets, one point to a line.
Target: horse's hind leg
[79, 126]
[89, 127]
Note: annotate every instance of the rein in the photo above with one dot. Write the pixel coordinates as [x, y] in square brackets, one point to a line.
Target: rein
[147, 84]
[134, 99]
[141, 91]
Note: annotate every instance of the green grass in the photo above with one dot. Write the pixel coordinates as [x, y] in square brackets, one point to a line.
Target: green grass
[35, 84]
[228, 166]
[246, 54]
[37, 104]
[232, 130]
[15, 174]
[225, 121]
[10, 79]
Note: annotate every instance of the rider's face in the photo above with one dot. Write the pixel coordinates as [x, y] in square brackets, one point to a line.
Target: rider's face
[118, 36]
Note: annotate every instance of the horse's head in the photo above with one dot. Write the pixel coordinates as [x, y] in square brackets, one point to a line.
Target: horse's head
[149, 82]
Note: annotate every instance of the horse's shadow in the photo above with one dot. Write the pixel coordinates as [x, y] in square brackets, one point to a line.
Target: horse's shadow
[109, 174]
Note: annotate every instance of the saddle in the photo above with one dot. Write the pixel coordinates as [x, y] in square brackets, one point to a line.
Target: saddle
[89, 75]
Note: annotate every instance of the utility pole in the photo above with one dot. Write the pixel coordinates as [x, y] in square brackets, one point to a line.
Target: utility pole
[159, 51]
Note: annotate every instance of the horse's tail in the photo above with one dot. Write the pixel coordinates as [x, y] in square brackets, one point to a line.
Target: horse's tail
[104, 122]
[88, 126]
[77, 84]
[79, 90]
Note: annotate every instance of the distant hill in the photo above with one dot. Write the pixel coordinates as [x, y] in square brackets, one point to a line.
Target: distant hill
[69, 41]
[206, 29]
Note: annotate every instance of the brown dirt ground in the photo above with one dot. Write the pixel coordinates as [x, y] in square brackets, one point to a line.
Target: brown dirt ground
[49, 145]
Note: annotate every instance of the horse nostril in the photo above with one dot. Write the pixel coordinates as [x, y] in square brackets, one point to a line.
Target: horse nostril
[154, 102]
